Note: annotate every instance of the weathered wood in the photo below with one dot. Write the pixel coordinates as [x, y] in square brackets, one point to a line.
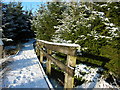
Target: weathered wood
[37, 50]
[59, 64]
[3, 54]
[41, 57]
[66, 49]
[69, 80]
[1, 49]
[70, 50]
[48, 64]
[39, 53]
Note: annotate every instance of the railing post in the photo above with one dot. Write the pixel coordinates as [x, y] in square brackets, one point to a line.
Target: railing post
[41, 57]
[3, 56]
[41, 54]
[69, 80]
[48, 64]
[37, 50]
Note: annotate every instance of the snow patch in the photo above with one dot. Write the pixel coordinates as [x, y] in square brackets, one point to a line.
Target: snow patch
[60, 44]
[91, 76]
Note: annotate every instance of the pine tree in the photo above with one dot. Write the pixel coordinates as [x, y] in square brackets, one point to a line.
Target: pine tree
[46, 18]
[112, 48]
[15, 22]
[93, 29]
[91, 25]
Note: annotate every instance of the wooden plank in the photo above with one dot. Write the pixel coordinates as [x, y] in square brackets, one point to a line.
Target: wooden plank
[69, 80]
[48, 64]
[66, 49]
[59, 64]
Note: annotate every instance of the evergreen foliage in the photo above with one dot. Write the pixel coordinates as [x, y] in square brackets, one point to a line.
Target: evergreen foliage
[16, 22]
[45, 20]
[94, 26]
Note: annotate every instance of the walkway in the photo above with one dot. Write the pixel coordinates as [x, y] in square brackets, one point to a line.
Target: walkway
[25, 70]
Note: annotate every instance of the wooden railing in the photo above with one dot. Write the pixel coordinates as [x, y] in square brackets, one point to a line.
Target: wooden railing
[45, 48]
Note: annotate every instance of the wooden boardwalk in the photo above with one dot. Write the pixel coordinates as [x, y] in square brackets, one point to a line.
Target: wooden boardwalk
[25, 70]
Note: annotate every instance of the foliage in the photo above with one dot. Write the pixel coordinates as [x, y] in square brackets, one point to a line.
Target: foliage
[112, 51]
[16, 22]
[94, 26]
[93, 30]
[45, 20]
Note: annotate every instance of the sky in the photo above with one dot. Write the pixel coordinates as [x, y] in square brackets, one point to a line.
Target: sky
[28, 4]
[31, 5]
[27, 0]
[34, 4]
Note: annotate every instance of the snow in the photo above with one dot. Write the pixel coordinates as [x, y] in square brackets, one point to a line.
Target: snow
[101, 13]
[25, 70]
[104, 5]
[116, 7]
[103, 84]
[10, 47]
[92, 78]
[6, 39]
[60, 44]
[96, 12]
[109, 24]
[106, 19]
[1, 43]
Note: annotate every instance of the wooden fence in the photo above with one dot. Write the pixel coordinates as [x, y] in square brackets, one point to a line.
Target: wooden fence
[45, 48]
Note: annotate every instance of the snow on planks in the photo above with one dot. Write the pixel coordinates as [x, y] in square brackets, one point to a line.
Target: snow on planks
[26, 71]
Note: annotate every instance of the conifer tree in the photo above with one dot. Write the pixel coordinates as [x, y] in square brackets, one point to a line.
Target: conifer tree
[91, 25]
[15, 21]
[46, 18]
[93, 29]
[112, 48]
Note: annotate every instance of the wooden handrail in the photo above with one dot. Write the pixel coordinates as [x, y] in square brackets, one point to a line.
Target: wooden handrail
[59, 64]
[69, 49]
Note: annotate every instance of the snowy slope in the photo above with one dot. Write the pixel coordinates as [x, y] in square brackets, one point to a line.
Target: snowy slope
[26, 71]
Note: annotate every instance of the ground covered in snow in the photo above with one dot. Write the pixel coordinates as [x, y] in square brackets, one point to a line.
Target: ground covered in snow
[92, 77]
[25, 70]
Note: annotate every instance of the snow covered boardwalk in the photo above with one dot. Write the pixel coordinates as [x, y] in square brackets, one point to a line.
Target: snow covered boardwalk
[25, 70]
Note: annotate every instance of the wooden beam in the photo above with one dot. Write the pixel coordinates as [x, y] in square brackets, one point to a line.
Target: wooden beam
[37, 51]
[48, 64]
[69, 80]
[41, 57]
[69, 49]
[59, 64]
